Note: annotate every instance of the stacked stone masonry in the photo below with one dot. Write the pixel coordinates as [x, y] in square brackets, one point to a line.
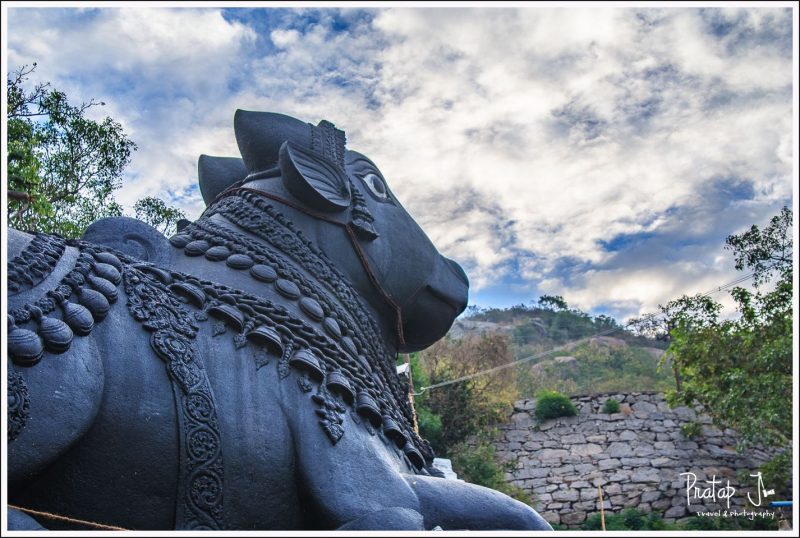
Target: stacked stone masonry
[636, 456]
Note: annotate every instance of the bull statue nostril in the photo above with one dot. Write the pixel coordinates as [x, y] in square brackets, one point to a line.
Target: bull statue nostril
[449, 284]
[458, 270]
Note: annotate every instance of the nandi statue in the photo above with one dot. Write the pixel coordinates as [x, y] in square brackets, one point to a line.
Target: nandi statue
[240, 374]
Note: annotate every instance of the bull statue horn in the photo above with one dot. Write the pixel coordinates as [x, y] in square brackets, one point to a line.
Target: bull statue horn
[311, 158]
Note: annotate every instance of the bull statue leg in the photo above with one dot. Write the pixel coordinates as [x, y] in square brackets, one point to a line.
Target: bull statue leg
[455, 505]
[362, 483]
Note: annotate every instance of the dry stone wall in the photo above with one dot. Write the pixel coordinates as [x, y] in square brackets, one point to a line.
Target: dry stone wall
[636, 456]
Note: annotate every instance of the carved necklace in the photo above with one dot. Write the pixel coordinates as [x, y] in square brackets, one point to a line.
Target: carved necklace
[351, 328]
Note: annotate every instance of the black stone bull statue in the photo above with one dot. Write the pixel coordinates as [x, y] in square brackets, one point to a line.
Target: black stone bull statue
[240, 375]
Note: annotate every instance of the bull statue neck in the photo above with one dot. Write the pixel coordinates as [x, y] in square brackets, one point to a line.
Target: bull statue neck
[249, 233]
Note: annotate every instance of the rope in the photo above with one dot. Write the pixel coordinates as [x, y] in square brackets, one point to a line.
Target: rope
[57, 517]
[572, 343]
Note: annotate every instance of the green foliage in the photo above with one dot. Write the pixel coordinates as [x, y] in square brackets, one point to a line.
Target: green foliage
[629, 519]
[619, 361]
[598, 367]
[159, 215]
[478, 464]
[766, 252]
[611, 406]
[691, 429]
[553, 302]
[65, 164]
[450, 414]
[698, 523]
[63, 167]
[777, 472]
[740, 370]
[552, 404]
[430, 426]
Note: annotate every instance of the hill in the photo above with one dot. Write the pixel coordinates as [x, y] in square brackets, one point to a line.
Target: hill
[592, 354]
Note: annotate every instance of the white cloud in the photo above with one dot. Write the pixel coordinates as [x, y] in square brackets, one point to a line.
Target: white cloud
[284, 38]
[520, 139]
[163, 74]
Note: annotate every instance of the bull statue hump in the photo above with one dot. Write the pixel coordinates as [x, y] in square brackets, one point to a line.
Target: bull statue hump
[240, 374]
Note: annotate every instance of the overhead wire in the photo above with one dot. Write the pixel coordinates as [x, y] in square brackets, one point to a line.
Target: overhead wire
[573, 343]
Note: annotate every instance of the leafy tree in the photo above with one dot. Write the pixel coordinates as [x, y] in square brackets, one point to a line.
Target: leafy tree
[63, 167]
[65, 164]
[766, 252]
[695, 311]
[464, 408]
[605, 323]
[741, 370]
[157, 214]
[552, 302]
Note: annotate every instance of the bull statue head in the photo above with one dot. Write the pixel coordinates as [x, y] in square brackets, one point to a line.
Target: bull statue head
[340, 201]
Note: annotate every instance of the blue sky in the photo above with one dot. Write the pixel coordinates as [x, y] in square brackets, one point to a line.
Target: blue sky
[595, 153]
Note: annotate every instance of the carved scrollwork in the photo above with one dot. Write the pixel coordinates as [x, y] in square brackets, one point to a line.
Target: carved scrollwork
[18, 404]
[174, 330]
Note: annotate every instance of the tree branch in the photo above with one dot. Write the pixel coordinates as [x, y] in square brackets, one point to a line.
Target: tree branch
[20, 196]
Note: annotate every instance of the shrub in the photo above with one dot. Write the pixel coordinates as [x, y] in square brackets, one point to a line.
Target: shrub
[611, 406]
[430, 425]
[691, 429]
[629, 519]
[552, 404]
[777, 472]
[633, 519]
[697, 523]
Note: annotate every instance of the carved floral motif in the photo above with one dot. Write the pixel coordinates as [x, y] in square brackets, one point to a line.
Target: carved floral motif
[18, 404]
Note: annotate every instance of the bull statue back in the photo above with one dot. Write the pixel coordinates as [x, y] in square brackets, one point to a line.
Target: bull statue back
[240, 374]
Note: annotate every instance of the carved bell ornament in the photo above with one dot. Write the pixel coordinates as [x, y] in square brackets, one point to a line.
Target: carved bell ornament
[367, 407]
[393, 431]
[190, 292]
[414, 455]
[268, 338]
[229, 315]
[338, 383]
[305, 360]
[78, 317]
[95, 302]
[24, 347]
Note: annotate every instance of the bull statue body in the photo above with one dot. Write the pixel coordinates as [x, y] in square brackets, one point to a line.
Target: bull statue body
[240, 374]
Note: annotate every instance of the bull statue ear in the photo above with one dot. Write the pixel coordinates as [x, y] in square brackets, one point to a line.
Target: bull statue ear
[313, 179]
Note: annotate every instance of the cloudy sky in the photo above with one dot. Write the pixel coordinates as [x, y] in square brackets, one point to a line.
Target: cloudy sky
[601, 154]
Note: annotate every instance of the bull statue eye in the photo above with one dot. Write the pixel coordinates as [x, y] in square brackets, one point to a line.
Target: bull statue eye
[376, 185]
